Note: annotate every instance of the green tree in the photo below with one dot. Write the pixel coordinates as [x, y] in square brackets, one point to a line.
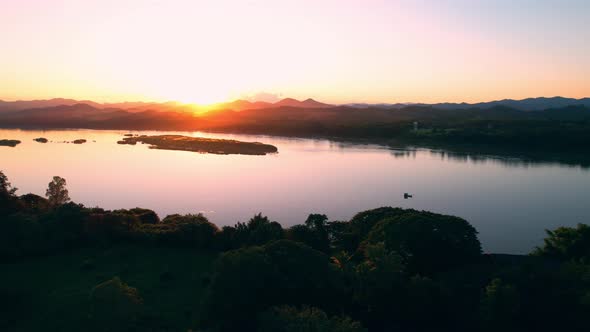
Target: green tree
[252, 279]
[8, 201]
[14, 307]
[318, 223]
[380, 279]
[258, 230]
[5, 186]
[65, 225]
[306, 319]
[261, 230]
[390, 298]
[303, 234]
[34, 204]
[314, 233]
[146, 216]
[347, 236]
[500, 306]
[21, 235]
[428, 242]
[190, 230]
[566, 243]
[114, 306]
[57, 193]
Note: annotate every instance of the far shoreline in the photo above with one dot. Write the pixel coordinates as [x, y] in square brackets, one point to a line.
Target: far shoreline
[497, 152]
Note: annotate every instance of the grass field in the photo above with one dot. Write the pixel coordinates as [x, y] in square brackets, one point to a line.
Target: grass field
[52, 293]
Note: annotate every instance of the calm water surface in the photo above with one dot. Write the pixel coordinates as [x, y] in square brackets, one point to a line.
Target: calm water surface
[510, 202]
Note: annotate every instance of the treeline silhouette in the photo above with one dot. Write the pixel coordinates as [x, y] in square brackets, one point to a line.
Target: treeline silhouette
[386, 269]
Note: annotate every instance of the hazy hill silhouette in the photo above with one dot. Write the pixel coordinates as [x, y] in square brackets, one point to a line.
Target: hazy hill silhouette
[7, 106]
[29, 104]
[529, 104]
[308, 103]
[240, 105]
[286, 117]
[237, 105]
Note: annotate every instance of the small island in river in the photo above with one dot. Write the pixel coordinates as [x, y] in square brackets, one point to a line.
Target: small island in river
[45, 140]
[201, 145]
[9, 142]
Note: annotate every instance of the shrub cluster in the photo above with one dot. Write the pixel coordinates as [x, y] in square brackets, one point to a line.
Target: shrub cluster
[387, 269]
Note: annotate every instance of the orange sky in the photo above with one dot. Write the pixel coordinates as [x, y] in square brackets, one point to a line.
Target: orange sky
[336, 51]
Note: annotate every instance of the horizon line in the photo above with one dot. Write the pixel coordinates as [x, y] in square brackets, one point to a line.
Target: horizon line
[85, 100]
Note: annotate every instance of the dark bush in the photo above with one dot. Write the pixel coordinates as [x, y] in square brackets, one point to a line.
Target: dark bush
[314, 233]
[428, 242]
[114, 306]
[182, 230]
[13, 307]
[34, 204]
[291, 319]
[145, 216]
[22, 235]
[256, 278]
[258, 231]
[566, 243]
[347, 236]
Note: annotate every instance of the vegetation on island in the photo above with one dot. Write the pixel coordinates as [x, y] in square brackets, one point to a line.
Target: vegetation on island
[200, 144]
[9, 142]
[45, 140]
[67, 267]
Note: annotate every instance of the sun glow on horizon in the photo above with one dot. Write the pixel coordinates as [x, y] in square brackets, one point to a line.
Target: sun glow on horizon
[197, 98]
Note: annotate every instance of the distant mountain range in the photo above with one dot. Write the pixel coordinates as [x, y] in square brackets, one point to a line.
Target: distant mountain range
[290, 117]
[242, 105]
[237, 105]
[530, 104]
[129, 106]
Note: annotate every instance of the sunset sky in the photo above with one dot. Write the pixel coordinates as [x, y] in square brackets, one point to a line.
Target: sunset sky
[336, 51]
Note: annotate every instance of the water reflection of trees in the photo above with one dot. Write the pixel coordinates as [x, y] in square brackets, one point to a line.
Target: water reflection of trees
[479, 156]
[520, 161]
[475, 155]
